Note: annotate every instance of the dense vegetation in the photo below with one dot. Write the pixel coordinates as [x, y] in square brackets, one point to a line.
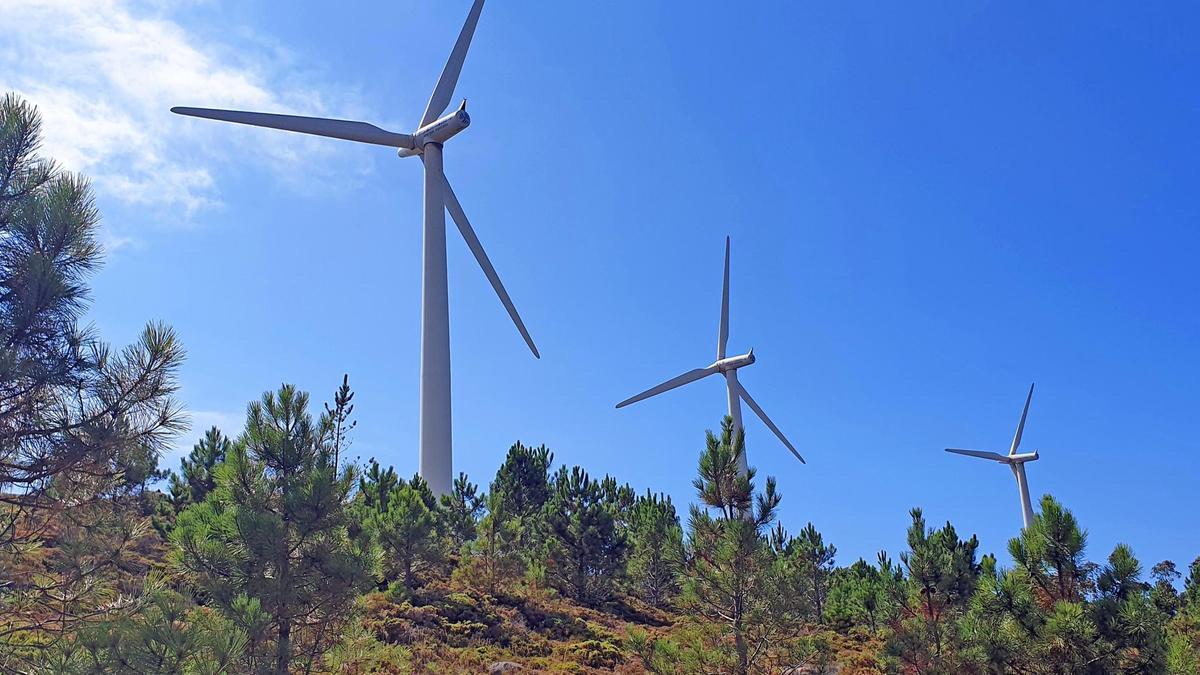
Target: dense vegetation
[267, 551]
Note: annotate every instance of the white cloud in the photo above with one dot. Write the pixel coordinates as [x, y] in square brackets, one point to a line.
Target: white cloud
[104, 74]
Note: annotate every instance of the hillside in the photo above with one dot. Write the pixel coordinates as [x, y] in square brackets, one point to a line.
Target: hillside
[448, 626]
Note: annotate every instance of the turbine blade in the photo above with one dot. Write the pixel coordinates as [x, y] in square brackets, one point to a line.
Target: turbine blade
[689, 376]
[316, 126]
[444, 91]
[767, 420]
[1021, 426]
[464, 226]
[995, 456]
[723, 331]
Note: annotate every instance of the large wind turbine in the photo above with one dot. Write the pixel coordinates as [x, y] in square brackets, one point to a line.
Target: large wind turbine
[1014, 461]
[736, 392]
[426, 142]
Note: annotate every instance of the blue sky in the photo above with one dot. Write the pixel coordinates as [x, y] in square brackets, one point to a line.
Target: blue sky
[931, 206]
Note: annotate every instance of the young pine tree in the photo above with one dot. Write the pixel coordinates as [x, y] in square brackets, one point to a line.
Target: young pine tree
[523, 481]
[1127, 618]
[167, 633]
[495, 556]
[460, 512]
[1025, 620]
[520, 492]
[1051, 552]
[375, 486]
[655, 549]
[1164, 595]
[194, 480]
[730, 577]
[273, 537]
[809, 562]
[941, 574]
[197, 468]
[406, 529]
[339, 416]
[863, 595]
[585, 552]
[1183, 632]
[1190, 598]
[620, 499]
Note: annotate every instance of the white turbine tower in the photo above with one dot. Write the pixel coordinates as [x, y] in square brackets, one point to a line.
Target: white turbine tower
[1014, 461]
[736, 392]
[427, 141]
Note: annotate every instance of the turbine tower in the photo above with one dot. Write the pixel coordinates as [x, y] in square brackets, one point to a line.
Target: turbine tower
[735, 391]
[1015, 461]
[436, 465]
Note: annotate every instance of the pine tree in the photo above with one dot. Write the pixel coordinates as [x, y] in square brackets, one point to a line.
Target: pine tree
[197, 468]
[520, 492]
[656, 549]
[620, 499]
[1164, 595]
[730, 577]
[811, 562]
[194, 480]
[1051, 552]
[585, 553]
[1128, 621]
[1024, 620]
[71, 589]
[941, 575]
[461, 511]
[407, 530]
[403, 519]
[523, 481]
[271, 540]
[339, 414]
[863, 595]
[67, 400]
[375, 486]
[1183, 632]
[80, 422]
[1191, 586]
[168, 506]
[167, 633]
[719, 484]
[496, 553]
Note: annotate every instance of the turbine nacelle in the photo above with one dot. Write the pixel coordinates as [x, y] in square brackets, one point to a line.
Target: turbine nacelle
[734, 362]
[439, 131]
[1022, 458]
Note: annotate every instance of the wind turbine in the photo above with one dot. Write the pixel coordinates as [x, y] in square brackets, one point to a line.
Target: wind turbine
[735, 391]
[427, 141]
[1015, 461]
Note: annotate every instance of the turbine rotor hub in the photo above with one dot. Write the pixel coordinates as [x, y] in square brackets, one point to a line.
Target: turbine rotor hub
[1022, 458]
[438, 131]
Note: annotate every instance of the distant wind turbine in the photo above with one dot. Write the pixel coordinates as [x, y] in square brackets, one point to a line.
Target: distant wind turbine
[436, 463]
[736, 392]
[1014, 461]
